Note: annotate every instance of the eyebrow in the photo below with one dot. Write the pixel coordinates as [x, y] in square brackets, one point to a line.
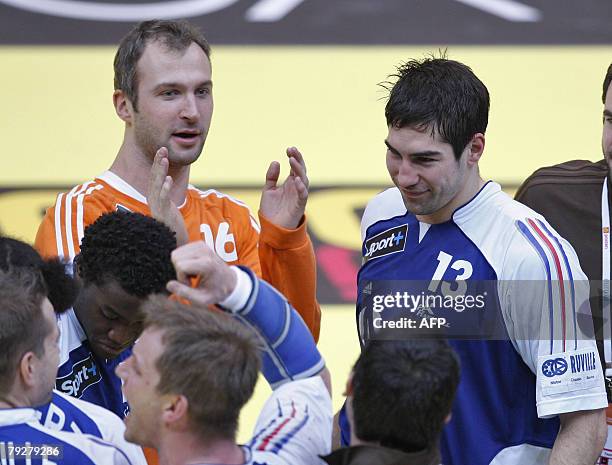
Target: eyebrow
[176, 84]
[607, 113]
[424, 153]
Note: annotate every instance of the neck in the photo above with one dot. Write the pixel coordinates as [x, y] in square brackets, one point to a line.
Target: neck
[187, 449]
[134, 167]
[469, 190]
[13, 400]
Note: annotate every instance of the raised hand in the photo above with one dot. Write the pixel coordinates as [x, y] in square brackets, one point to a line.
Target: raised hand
[284, 205]
[216, 280]
[158, 197]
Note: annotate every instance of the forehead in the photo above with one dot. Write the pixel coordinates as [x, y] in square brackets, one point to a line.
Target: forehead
[148, 348]
[113, 296]
[608, 104]
[159, 63]
[409, 140]
[49, 315]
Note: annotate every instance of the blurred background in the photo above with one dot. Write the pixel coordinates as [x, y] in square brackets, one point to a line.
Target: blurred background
[303, 73]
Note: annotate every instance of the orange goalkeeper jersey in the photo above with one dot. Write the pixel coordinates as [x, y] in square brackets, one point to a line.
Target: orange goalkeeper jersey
[283, 257]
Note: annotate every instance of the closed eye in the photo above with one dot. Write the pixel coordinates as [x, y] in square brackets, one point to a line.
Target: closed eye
[109, 314]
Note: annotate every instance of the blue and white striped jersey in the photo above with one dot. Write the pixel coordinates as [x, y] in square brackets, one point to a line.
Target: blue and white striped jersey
[66, 413]
[513, 387]
[20, 428]
[84, 376]
[294, 426]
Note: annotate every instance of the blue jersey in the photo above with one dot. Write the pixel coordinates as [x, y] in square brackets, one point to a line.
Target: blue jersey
[24, 440]
[541, 361]
[65, 413]
[84, 376]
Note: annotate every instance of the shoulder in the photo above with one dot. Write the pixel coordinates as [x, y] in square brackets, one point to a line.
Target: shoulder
[228, 205]
[104, 418]
[386, 204]
[517, 241]
[81, 448]
[215, 198]
[567, 173]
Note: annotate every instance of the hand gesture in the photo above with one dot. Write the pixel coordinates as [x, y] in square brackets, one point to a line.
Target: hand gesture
[285, 205]
[216, 280]
[158, 197]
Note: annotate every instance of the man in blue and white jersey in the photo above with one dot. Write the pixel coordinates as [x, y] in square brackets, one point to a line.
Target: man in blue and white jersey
[124, 258]
[192, 370]
[28, 363]
[532, 391]
[65, 413]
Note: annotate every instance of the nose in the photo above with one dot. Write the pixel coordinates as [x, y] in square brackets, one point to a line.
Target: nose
[120, 370]
[407, 174]
[120, 335]
[189, 110]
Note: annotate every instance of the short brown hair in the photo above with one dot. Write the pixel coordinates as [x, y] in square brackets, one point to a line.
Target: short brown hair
[22, 326]
[208, 357]
[606, 83]
[175, 35]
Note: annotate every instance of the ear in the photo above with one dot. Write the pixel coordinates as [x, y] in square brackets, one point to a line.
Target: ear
[123, 106]
[448, 418]
[348, 389]
[475, 148]
[174, 410]
[27, 369]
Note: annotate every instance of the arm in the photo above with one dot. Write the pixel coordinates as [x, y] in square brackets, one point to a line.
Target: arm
[45, 242]
[581, 438]
[285, 251]
[289, 349]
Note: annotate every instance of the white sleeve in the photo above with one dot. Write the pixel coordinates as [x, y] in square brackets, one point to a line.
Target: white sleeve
[111, 427]
[545, 302]
[384, 205]
[295, 424]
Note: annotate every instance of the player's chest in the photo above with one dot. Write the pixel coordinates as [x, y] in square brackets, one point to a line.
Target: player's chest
[411, 250]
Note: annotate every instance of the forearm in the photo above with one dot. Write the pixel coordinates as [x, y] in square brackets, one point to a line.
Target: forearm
[288, 263]
[581, 438]
[290, 352]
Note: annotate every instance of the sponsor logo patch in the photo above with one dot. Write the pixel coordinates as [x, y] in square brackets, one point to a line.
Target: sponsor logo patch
[84, 373]
[569, 371]
[387, 242]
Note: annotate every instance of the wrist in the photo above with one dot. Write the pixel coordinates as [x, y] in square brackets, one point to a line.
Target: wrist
[238, 297]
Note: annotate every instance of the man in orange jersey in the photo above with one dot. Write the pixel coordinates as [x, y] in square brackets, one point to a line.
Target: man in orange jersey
[163, 93]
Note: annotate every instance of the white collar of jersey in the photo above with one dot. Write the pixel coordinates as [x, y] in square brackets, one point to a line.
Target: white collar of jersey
[118, 183]
[484, 194]
[77, 324]
[122, 186]
[14, 416]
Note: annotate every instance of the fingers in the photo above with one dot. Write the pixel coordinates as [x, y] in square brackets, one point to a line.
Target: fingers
[272, 175]
[302, 189]
[298, 165]
[164, 193]
[298, 170]
[293, 152]
[157, 176]
[195, 296]
[192, 259]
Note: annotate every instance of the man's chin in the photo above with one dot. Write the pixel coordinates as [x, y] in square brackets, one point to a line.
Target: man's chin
[184, 158]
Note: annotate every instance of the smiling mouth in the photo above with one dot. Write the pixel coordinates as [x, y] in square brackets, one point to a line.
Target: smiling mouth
[412, 194]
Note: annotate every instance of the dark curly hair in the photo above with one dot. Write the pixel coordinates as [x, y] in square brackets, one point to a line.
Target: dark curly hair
[130, 248]
[61, 288]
